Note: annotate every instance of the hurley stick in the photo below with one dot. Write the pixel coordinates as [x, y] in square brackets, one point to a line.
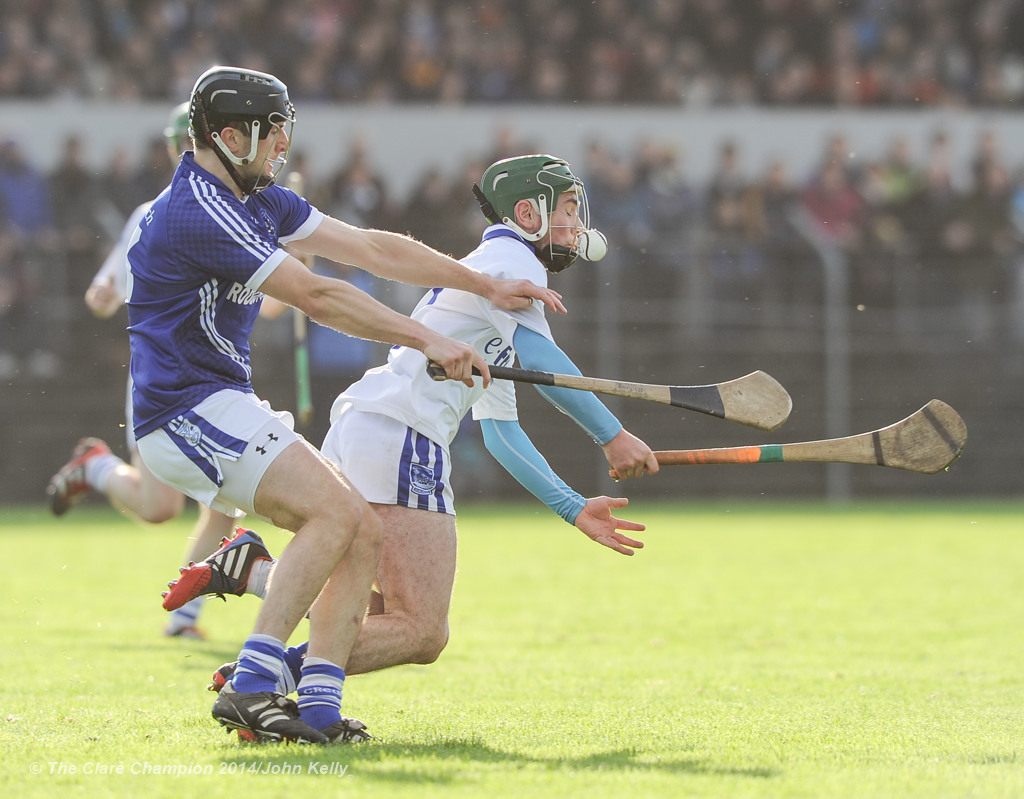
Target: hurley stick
[755, 400]
[303, 384]
[927, 442]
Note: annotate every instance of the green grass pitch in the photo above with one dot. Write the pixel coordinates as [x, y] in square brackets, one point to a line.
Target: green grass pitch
[751, 650]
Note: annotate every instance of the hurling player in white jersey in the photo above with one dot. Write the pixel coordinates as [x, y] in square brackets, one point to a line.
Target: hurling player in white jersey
[200, 263]
[391, 431]
[131, 487]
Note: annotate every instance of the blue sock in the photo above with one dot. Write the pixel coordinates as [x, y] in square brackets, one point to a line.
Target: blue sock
[320, 693]
[261, 665]
[293, 657]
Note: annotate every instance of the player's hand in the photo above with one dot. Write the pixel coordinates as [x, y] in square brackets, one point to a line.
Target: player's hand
[597, 522]
[457, 359]
[514, 295]
[629, 456]
[102, 299]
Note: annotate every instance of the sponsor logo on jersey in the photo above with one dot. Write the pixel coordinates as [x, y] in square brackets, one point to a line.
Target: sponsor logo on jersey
[504, 351]
[243, 296]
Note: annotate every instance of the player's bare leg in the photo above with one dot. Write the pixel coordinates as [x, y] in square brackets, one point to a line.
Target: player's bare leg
[332, 521]
[132, 489]
[129, 487]
[408, 619]
[333, 556]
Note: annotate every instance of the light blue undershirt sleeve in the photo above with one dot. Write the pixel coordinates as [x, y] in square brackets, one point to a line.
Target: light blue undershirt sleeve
[541, 353]
[514, 450]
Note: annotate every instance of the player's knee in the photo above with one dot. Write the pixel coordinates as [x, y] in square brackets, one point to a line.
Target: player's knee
[431, 643]
[359, 528]
[341, 511]
[162, 509]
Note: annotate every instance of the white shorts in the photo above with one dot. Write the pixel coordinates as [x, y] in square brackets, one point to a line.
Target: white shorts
[390, 463]
[218, 452]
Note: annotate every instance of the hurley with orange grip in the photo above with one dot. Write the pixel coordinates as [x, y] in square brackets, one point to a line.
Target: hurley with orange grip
[927, 441]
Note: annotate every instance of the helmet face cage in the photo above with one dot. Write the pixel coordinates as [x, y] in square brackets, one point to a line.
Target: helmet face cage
[542, 180]
[557, 186]
[254, 102]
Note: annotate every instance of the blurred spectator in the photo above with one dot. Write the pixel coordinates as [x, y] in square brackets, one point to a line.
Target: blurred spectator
[617, 209]
[428, 211]
[356, 193]
[20, 324]
[1016, 277]
[770, 203]
[986, 154]
[155, 172]
[29, 252]
[886, 187]
[735, 260]
[118, 184]
[672, 208]
[26, 198]
[928, 215]
[837, 207]
[983, 244]
[468, 223]
[76, 203]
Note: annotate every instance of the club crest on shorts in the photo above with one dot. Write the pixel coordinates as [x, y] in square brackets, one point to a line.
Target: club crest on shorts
[189, 431]
[421, 479]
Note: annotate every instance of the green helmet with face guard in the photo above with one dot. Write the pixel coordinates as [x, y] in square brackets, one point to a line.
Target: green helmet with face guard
[176, 132]
[541, 180]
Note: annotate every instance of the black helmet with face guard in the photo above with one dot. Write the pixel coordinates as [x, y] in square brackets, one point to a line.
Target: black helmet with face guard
[254, 102]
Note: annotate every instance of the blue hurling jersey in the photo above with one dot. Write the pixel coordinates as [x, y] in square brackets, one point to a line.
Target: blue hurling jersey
[195, 266]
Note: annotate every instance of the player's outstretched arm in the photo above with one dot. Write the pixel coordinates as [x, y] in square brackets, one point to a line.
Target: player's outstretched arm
[340, 305]
[402, 258]
[512, 448]
[632, 456]
[597, 522]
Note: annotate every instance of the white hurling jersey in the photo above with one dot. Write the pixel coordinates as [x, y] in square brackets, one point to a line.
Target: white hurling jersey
[403, 390]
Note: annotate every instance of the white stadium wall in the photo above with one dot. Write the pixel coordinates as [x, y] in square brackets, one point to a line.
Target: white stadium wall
[406, 141]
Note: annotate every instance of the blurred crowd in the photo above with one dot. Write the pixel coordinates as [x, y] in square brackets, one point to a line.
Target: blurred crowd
[907, 230]
[754, 238]
[750, 237]
[825, 53]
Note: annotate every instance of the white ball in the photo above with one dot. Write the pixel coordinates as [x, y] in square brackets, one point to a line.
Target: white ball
[592, 245]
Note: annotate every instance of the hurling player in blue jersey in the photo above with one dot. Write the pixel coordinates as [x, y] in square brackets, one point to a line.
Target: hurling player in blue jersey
[200, 263]
[130, 487]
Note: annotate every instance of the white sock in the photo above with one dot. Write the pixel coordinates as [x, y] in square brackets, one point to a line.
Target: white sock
[259, 578]
[98, 469]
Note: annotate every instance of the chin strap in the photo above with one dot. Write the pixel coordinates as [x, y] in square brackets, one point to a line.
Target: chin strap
[485, 206]
[557, 257]
[247, 186]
